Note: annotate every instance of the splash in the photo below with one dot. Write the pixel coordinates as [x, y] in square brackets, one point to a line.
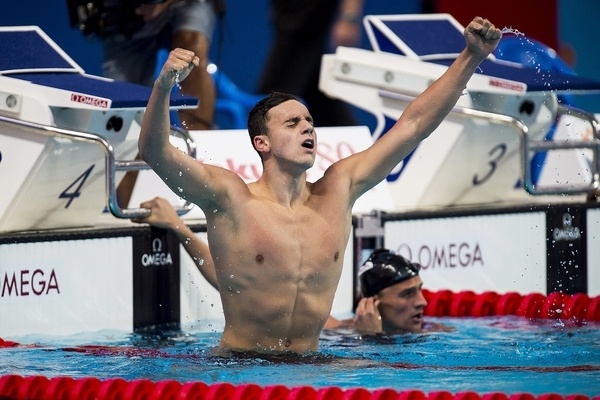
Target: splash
[523, 39]
[512, 30]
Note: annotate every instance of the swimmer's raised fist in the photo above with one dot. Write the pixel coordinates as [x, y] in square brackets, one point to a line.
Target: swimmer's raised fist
[482, 36]
[178, 66]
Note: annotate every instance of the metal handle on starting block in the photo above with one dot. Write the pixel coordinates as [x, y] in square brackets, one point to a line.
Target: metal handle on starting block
[138, 165]
[528, 146]
[111, 165]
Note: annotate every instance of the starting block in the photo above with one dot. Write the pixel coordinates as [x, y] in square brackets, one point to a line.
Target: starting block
[482, 151]
[63, 134]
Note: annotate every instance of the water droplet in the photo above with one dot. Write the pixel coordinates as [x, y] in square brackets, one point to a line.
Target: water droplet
[512, 30]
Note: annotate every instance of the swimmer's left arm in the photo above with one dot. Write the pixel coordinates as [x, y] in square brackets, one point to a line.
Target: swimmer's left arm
[425, 113]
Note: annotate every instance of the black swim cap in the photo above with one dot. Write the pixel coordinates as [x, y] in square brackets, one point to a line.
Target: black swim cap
[383, 269]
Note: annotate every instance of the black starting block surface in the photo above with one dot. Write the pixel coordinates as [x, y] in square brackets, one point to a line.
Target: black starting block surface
[30, 55]
[438, 38]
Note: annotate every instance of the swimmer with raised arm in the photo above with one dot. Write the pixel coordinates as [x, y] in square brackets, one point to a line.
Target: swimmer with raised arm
[278, 243]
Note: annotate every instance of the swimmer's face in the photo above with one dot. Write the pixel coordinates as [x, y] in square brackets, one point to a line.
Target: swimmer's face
[292, 136]
[401, 306]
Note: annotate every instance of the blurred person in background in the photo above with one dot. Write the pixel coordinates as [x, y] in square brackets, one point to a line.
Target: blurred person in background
[305, 30]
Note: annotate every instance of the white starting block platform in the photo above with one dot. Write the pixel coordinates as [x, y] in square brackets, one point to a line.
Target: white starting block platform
[62, 134]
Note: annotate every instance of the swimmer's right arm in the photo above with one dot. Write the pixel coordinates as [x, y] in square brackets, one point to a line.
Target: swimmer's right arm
[202, 184]
[153, 144]
[367, 320]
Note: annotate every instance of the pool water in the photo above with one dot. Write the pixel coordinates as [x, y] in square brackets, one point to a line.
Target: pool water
[490, 354]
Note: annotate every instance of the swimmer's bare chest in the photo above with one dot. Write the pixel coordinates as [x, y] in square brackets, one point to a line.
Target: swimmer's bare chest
[289, 244]
[278, 272]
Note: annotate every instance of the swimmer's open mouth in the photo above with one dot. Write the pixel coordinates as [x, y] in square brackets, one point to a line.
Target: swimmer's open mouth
[418, 316]
[308, 143]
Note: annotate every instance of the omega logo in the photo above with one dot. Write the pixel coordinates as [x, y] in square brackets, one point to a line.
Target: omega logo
[157, 257]
[449, 255]
[568, 232]
[29, 282]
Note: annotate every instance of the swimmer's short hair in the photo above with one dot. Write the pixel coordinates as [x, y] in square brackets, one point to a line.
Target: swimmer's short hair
[384, 268]
[258, 116]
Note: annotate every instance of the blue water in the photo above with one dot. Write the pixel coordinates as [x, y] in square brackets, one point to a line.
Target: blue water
[497, 354]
